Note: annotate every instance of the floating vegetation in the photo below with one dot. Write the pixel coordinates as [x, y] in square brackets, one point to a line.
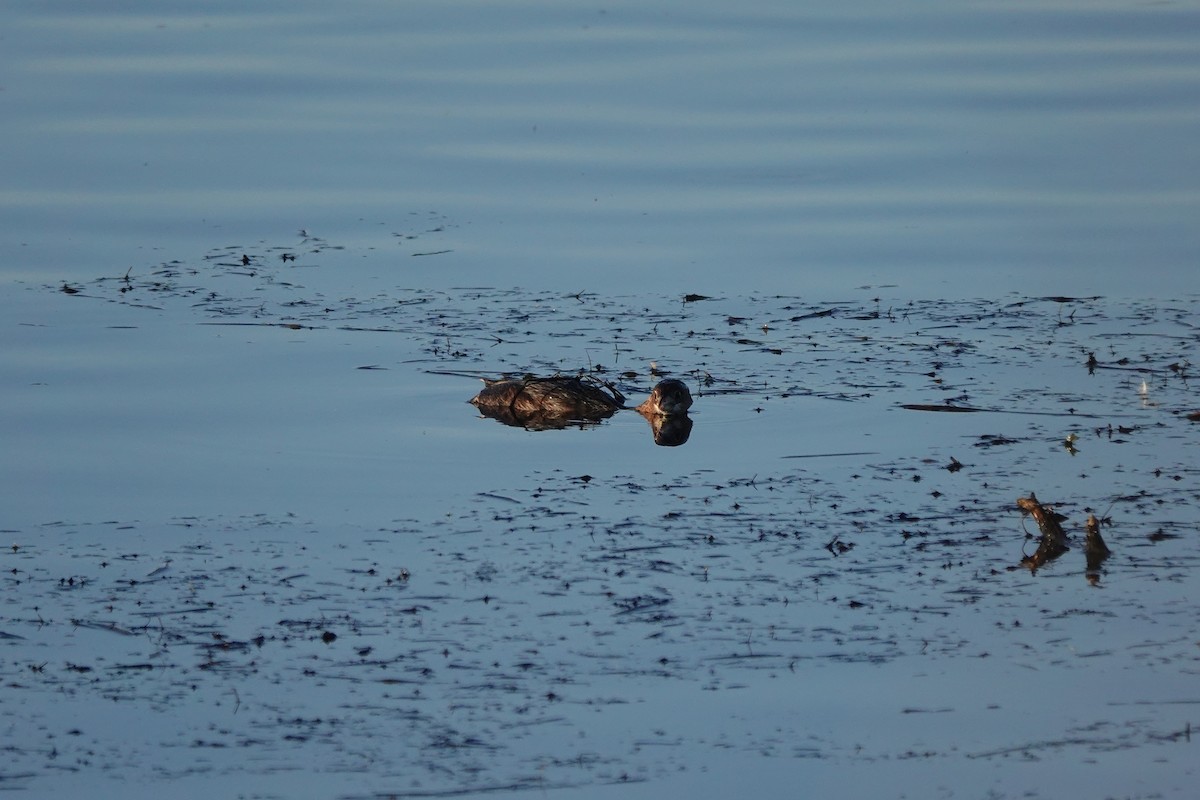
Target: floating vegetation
[1041, 356]
[574, 630]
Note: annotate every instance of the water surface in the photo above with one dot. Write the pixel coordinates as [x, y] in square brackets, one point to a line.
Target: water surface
[949, 148]
[257, 542]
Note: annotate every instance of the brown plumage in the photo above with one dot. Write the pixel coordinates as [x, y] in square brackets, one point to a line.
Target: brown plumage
[559, 400]
[557, 396]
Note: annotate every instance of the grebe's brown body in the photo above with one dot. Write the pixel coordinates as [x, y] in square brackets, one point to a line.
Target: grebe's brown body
[569, 398]
[559, 401]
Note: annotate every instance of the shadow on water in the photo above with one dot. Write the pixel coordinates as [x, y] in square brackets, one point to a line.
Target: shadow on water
[520, 639]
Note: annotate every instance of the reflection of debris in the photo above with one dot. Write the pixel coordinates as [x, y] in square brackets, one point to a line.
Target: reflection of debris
[994, 440]
[838, 547]
[645, 607]
[829, 312]
[1094, 549]
[1144, 394]
[946, 407]
[1053, 542]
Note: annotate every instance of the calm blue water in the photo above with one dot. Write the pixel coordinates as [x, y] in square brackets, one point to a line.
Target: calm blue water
[601, 162]
[949, 148]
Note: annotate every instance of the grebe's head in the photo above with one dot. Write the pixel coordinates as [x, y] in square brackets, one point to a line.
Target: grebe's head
[669, 398]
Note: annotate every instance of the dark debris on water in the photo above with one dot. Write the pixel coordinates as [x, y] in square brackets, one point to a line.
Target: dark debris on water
[472, 650]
